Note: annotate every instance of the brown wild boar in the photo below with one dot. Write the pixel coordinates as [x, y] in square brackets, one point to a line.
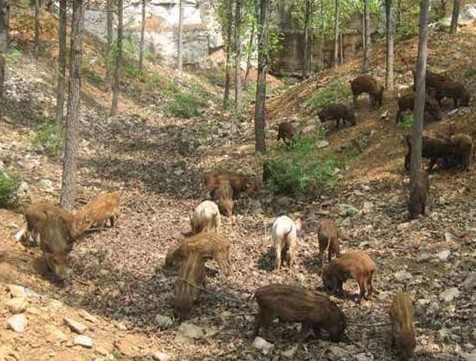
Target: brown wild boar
[286, 132]
[239, 182]
[224, 195]
[357, 265]
[328, 237]
[454, 90]
[432, 80]
[367, 84]
[418, 190]
[191, 275]
[284, 236]
[297, 304]
[434, 147]
[99, 210]
[463, 144]
[407, 102]
[339, 113]
[403, 328]
[208, 244]
[206, 218]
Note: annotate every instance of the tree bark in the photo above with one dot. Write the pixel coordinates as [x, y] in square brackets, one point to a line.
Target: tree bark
[366, 62]
[454, 17]
[229, 26]
[4, 16]
[109, 39]
[180, 38]
[61, 90]
[389, 37]
[68, 189]
[305, 55]
[415, 162]
[336, 34]
[37, 25]
[142, 36]
[248, 56]
[323, 34]
[399, 14]
[238, 95]
[263, 55]
[117, 70]
[341, 48]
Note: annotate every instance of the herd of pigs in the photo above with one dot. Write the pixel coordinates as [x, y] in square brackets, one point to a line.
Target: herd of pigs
[55, 230]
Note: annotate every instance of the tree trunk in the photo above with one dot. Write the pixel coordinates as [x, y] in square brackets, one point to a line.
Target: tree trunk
[341, 48]
[305, 55]
[61, 90]
[68, 189]
[415, 162]
[142, 36]
[229, 23]
[4, 15]
[238, 100]
[454, 17]
[399, 14]
[366, 63]
[263, 55]
[37, 25]
[180, 38]
[336, 34]
[389, 36]
[248, 57]
[323, 34]
[109, 38]
[117, 70]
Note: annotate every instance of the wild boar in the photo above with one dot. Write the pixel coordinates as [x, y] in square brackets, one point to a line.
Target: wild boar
[403, 327]
[208, 244]
[224, 195]
[286, 132]
[463, 144]
[205, 218]
[454, 90]
[328, 237]
[407, 102]
[433, 147]
[339, 113]
[367, 84]
[432, 80]
[284, 236]
[418, 190]
[239, 182]
[297, 304]
[357, 265]
[191, 276]
[99, 210]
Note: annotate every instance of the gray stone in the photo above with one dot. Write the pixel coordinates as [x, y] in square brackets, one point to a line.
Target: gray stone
[449, 237]
[367, 356]
[403, 276]
[367, 208]
[75, 326]
[17, 323]
[162, 356]
[45, 184]
[84, 341]
[347, 210]
[17, 305]
[17, 291]
[443, 255]
[163, 321]
[188, 330]
[289, 353]
[264, 346]
[322, 144]
[470, 281]
[87, 316]
[449, 294]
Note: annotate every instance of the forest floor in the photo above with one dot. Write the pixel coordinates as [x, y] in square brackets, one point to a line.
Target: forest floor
[124, 298]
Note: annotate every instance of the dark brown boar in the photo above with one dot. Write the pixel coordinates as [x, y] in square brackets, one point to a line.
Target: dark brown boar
[286, 132]
[102, 208]
[357, 265]
[224, 196]
[418, 190]
[328, 237]
[367, 84]
[403, 326]
[339, 113]
[434, 147]
[191, 276]
[432, 80]
[407, 102]
[297, 304]
[239, 182]
[463, 144]
[209, 245]
[454, 90]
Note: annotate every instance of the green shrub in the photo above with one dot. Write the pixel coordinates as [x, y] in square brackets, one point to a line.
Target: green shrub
[335, 92]
[470, 73]
[12, 56]
[407, 29]
[49, 137]
[8, 186]
[185, 106]
[407, 122]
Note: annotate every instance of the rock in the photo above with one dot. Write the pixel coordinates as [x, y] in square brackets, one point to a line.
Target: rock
[54, 334]
[163, 321]
[188, 330]
[17, 323]
[469, 356]
[87, 316]
[449, 294]
[443, 255]
[162, 356]
[470, 281]
[321, 144]
[449, 237]
[17, 305]
[309, 128]
[84, 341]
[261, 344]
[367, 208]
[384, 115]
[403, 275]
[403, 226]
[45, 184]
[338, 352]
[17, 291]
[347, 210]
[289, 353]
[444, 334]
[364, 357]
[75, 326]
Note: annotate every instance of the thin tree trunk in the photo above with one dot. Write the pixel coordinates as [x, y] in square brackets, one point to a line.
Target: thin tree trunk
[454, 17]
[323, 34]
[68, 189]
[263, 54]
[238, 98]
[4, 16]
[142, 36]
[366, 63]
[117, 70]
[389, 55]
[399, 14]
[415, 162]
[37, 25]
[248, 56]
[229, 23]
[336, 34]
[61, 90]
[341, 48]
[305, 55]
[109, 39]
[180, 38]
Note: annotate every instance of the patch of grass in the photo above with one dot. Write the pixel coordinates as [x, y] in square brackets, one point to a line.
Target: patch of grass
[157, 82]
[407, 122]
[8, 186]
[12, 56]
[336, 91]
[93, 77]
[49, 138]
[185, 105]
[407, 30]
[470, 73]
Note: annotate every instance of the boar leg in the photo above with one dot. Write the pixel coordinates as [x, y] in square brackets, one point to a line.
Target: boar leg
[432, 164]
[361, 283]
[354, 100]
[321, 258]
[370, 285]
[278, 258]
[305, 328]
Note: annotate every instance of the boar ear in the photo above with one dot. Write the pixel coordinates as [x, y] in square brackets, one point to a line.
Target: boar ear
[298, 223]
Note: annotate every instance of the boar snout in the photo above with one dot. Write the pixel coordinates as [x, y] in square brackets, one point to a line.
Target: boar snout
[59, 265]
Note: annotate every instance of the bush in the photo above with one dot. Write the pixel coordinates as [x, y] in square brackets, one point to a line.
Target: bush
[12, 56]
[8, 186]
[470, 73]
[185, 106]
[407, 29]
[49, 137]
[407, 122]
[336, 91]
